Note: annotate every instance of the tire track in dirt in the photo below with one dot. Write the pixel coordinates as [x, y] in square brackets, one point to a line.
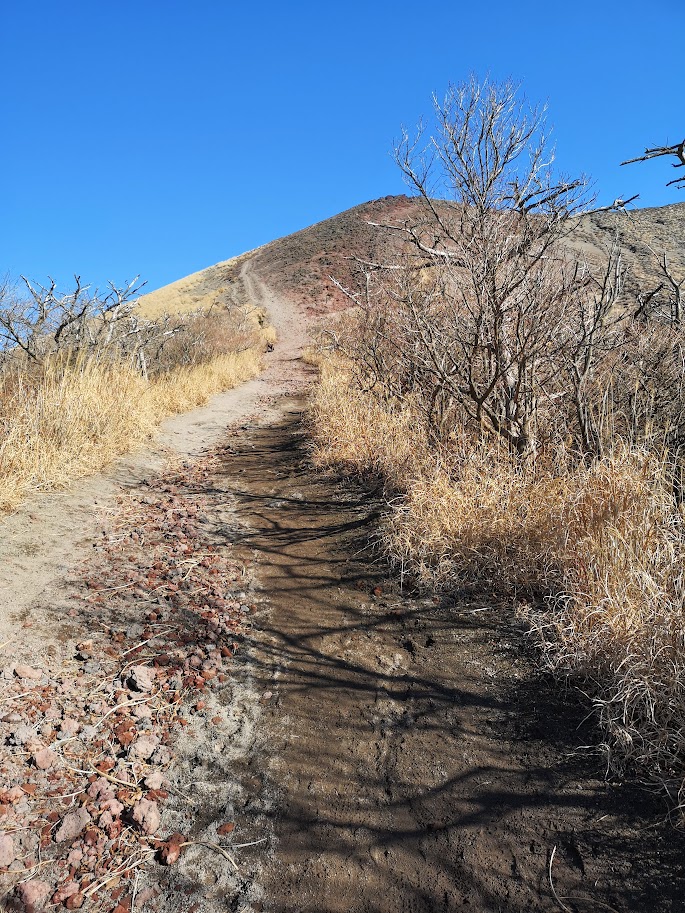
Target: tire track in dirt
[414, 758]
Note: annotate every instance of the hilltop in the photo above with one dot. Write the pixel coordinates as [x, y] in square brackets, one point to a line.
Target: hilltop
[301, 265]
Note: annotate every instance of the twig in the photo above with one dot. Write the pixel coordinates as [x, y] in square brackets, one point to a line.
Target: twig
[213, 846]
[142, 643]
[143, 700]
[551, 882]
[239, 846]
[98, 885]
[15, 697]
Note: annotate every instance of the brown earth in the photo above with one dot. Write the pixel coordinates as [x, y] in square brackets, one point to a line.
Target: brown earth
[414, 757]
[301, 266]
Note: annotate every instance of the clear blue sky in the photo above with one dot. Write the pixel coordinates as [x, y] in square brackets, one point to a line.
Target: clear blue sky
[159, 137]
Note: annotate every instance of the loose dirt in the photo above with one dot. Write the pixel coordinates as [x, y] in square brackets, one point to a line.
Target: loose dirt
[418, 760]
[326, 742]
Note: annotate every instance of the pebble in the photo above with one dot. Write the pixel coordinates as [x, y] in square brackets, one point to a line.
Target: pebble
[22, 734]
[23, 671]
[7, 851]
[68, 727]
[45, 759]
[146, 814]
[142, 678]
[143, 747]
[32, 894]
[72, 825]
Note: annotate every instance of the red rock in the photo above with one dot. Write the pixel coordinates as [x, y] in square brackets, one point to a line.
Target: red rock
[75, 902]
[158, 794]
[125, 733]
[224, 829]
[146, 814]
[170, 851]
[65, 891]
[45, 759]
[23, 671]
[114, 829]
[7, 851]
[91, 836]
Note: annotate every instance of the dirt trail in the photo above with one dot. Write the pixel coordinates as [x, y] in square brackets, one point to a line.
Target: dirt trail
[419, 762]
[406, 754]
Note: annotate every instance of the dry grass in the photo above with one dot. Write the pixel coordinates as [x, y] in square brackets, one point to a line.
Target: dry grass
[199, 291]
[66, 420]
[599, 552]
[72, 415]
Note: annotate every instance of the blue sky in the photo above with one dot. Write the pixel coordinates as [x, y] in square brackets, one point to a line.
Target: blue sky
[159, 137]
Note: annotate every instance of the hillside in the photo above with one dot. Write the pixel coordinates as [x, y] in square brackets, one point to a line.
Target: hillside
[300, 265]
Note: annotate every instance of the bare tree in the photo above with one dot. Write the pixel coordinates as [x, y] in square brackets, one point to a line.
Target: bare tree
[677, 151]
[41, 321]
[493, 212]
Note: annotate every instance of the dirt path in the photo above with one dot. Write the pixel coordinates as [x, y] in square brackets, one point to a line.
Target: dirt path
[396, 754]
[418, 761]
[50, 533]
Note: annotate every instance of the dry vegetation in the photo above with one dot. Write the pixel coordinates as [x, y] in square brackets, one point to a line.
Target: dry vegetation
[82, 382]
[526, 416]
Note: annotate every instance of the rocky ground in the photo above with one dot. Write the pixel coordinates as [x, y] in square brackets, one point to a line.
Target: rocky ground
[108, 760]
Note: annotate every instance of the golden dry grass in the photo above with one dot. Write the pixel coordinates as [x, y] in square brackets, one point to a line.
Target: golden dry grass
[599, 551]
[67, 420]
[199, 291]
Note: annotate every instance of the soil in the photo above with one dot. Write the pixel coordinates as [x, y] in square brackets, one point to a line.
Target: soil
[353, 747]
[418, 759]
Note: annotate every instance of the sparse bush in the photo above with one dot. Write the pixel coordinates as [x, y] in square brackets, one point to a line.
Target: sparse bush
[84, 379]
[528, 418]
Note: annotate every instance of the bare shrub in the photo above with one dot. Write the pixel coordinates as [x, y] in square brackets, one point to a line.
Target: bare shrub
[528, 416]
[83, 378]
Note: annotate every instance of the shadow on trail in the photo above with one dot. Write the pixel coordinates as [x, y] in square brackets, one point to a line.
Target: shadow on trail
[421, 761]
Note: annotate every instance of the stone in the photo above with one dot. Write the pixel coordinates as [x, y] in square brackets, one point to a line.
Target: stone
[72, 825]
[33, 894]
[21, 670]
[7, 851]
[146, 814]
[45, 758]
[141, 678]
[143, 747]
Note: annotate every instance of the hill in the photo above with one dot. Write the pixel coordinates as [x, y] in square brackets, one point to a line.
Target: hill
[300, 265]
